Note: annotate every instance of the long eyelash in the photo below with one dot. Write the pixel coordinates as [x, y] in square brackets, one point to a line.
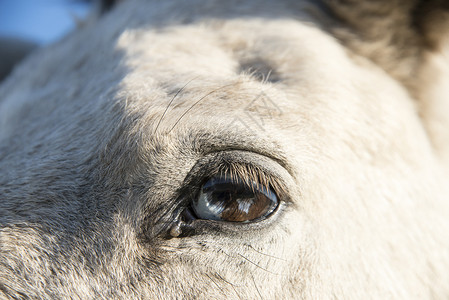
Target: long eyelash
[252, 174]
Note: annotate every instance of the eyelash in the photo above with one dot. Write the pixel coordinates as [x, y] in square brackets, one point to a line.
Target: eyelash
[249, 173]
[244, 171]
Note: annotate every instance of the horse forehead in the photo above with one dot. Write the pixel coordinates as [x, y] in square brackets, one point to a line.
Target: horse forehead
[184, 66]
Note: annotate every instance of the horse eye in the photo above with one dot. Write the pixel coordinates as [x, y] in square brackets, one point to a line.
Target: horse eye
[225, 198]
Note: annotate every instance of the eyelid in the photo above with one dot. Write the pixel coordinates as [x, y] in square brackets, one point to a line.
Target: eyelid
[253, 143]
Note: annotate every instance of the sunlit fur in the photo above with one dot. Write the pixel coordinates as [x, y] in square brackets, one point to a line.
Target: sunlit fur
[104, 134]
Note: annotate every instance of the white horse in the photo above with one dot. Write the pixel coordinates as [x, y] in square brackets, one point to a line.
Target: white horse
[211, 149]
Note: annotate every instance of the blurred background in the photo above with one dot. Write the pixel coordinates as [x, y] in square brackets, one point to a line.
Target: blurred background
[27, 24]
[41, 21]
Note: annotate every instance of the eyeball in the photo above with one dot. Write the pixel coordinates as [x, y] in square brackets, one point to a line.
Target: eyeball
[231, 199]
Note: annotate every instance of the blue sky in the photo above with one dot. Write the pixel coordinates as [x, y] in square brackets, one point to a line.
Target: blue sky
[41, 21]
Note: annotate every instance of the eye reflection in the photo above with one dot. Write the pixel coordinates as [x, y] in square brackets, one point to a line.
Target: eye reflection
[226, 198]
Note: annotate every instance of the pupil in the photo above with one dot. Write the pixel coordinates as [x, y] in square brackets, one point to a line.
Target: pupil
[222, 196]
